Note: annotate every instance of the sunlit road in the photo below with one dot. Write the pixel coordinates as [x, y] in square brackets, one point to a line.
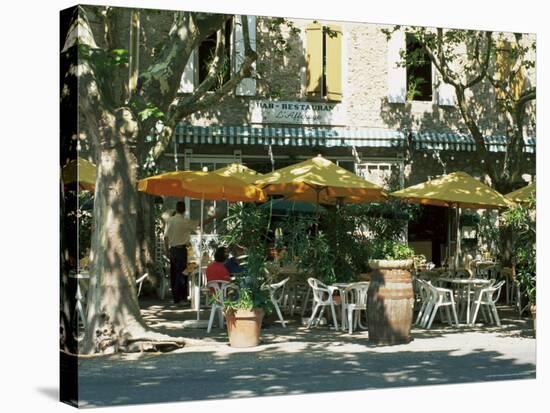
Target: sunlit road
[319, 362]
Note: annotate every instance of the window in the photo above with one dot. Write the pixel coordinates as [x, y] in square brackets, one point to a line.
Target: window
[419, 71]
[207, 52]
[196, 69]
[382, 173]
[324, 62]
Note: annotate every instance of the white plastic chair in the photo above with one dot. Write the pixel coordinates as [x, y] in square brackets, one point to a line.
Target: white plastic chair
[441, 297]
[220, 292]
[322, 297]
[139, 282]
[426, 301]
[354, 300]
[487, 296]
[277, 294]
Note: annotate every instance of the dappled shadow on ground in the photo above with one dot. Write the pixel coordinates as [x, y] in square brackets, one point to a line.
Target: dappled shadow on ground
[200, 375]
[169, 319]
[295, 360]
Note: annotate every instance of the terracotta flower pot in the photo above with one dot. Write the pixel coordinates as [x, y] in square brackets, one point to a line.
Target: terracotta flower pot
[244, 327]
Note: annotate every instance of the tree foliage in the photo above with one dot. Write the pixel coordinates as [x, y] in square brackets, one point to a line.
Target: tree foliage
[125, 66]
[521, 219]
[468, 59]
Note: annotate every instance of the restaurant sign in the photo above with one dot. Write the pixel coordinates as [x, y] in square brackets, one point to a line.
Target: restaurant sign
[301, 113]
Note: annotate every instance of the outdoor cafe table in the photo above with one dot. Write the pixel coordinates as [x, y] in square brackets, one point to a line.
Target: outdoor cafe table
[340, 287]
[466, 282]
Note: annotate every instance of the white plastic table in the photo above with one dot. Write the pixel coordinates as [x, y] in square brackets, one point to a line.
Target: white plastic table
[468, 282]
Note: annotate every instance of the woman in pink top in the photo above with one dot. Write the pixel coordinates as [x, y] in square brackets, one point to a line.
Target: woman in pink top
[216, 271]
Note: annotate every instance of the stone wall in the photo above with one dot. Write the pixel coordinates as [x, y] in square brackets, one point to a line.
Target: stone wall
[365, 75]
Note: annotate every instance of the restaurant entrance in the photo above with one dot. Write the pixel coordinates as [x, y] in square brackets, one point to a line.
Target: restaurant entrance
[428, 233]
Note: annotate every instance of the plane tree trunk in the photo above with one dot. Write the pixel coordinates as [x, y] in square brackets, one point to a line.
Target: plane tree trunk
[116, 128]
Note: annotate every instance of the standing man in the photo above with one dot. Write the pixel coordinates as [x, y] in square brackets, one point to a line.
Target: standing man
[176, 239]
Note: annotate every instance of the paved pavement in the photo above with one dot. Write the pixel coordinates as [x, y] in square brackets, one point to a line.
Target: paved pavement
[295, 361]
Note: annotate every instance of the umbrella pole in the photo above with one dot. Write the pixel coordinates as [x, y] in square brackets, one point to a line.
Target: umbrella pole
[449, 219]
[458, 252]
[317, 192]
[199, 275]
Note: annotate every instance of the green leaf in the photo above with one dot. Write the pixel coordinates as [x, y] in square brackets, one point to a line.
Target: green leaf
[151, 111]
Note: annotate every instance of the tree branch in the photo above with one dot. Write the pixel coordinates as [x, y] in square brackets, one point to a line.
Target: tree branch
[215, 67]
[526, 97]
[485, 64]
[159, 83]
[437, 62]
[186, 105]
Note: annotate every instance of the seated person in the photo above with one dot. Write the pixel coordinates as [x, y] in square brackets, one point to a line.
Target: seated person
[216, 271]
[233, 263]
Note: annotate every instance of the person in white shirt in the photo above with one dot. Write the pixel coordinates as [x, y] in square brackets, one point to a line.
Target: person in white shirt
[177, 235]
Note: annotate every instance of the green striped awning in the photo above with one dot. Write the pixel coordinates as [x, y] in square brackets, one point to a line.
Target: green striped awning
[464, 142]
[289, 136]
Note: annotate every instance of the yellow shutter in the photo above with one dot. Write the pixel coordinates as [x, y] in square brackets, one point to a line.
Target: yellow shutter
[518, 83]
[333, 39]
[504, 65]
[314, 58]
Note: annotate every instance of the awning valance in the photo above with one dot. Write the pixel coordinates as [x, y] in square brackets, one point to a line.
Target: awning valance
[464, 142]
[289, 136]
[337, 136]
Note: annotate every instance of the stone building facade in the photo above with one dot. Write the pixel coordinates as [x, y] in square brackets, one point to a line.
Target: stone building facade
[369, 126]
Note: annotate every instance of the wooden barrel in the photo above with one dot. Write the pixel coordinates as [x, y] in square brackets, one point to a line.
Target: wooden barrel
[390, 302]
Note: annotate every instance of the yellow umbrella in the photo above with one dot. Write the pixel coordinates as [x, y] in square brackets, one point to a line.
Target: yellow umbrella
[239, 171]
[458, 190]
[201, 185]
[523, 194]
[319, 180]
[80, 171]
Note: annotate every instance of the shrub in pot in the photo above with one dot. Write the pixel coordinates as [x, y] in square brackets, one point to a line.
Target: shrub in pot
[244, 312]
[246, 225]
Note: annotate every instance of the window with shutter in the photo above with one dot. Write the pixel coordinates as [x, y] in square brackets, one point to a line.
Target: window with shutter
[247, 87]
[207, 53]
[324, 62]
[397, 74]
[333, 63]
[314, 59]
[419, 71]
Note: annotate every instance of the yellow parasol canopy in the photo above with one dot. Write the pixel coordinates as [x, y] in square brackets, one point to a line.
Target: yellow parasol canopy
[522, 195]
[319, 179]
[455, 189]
[239, 171]
[80, 171]
[201, 185]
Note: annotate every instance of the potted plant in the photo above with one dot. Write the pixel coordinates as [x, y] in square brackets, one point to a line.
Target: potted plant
[245, 308]
[245, 311]
[521, 219]
[390, 297]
